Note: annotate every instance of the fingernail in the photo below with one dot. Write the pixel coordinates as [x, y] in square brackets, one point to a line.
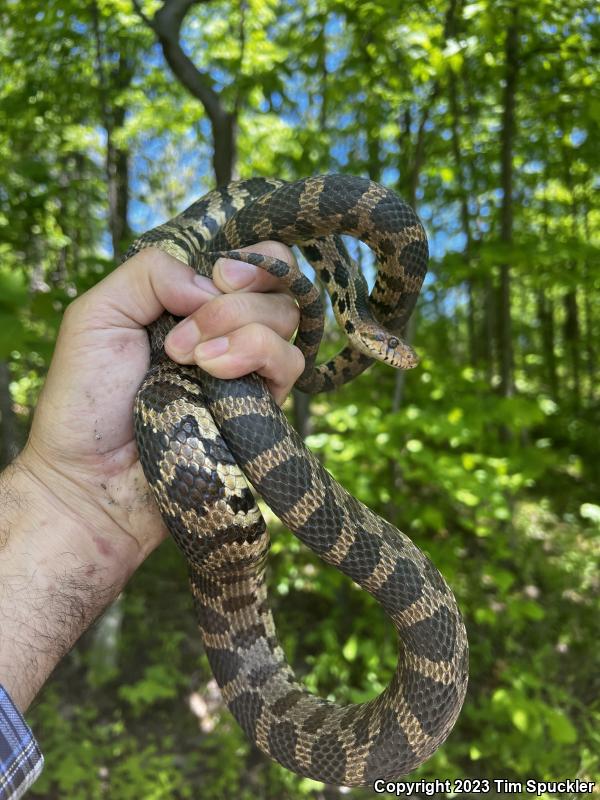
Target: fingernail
[184, 336]
[236, 273]
[212, 348]
[205, 284]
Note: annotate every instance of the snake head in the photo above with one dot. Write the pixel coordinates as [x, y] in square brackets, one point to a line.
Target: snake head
[389, 348]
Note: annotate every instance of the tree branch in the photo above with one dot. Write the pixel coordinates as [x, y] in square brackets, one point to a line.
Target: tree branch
[145, 19]
[242, 35]
[167, 26]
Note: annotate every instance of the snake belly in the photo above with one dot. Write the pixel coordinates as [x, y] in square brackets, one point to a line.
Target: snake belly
[201, 440]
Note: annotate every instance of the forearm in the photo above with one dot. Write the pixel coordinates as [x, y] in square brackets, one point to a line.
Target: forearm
[56, 577]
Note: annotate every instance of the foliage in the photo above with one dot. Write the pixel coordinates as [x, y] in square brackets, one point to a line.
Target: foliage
[500, 489]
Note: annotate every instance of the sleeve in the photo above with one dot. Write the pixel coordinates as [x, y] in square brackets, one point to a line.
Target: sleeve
[21, 760]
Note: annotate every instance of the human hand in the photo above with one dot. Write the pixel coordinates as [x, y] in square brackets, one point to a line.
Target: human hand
[78, 516]
[81, 443]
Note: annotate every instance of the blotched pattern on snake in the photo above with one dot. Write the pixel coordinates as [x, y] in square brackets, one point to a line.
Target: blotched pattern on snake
[200, 439]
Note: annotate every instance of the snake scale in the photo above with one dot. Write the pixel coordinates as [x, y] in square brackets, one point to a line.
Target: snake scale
[201, 439]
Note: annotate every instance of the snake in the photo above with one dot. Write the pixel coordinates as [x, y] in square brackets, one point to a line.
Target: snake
[204, 442]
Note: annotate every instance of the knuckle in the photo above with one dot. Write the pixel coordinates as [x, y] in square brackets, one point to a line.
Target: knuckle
[260, 338]
[290, 311]
[221, 312]
[297, 361]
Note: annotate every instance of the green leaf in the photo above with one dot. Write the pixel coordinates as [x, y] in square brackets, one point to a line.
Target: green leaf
[590, 511]
[350, 648]
[11, 334]
[13, 289]
[520, 719]
[561, 727]
[466, 497]
[414, 446]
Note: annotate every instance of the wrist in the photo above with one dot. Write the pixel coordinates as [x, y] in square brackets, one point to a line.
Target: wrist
[97, 517]
[57, 575]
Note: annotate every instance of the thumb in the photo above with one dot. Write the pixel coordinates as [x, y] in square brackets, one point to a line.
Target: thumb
[139, 290]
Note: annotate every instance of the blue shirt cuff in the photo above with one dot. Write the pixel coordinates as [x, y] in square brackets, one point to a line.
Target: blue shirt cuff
[21, 760]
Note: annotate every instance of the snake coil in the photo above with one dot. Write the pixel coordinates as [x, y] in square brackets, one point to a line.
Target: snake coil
[201, 439]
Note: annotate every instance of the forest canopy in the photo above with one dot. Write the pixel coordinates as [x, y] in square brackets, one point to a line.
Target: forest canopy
[485, 117]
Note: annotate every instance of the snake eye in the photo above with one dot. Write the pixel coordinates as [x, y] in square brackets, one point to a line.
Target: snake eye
[393, 342]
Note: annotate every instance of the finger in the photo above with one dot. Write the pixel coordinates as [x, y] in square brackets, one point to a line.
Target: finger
[227, 313]
[234, 276]
[253, 348]
[138, 292]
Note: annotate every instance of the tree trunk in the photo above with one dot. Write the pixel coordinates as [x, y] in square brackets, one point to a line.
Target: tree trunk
[113, 117]
[410, 175]
[166, 24]
[545, 312]
[301, 413]
[508, 134]
[573, 347]
[323, 74]
[465, 218]
[10, 439]
[224, 149]
[489, 329]
[590, 352]
[571, 327]
[117, 171]
[374, 165]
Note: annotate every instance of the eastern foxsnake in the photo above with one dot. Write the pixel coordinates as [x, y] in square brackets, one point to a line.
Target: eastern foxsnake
[196, 466]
